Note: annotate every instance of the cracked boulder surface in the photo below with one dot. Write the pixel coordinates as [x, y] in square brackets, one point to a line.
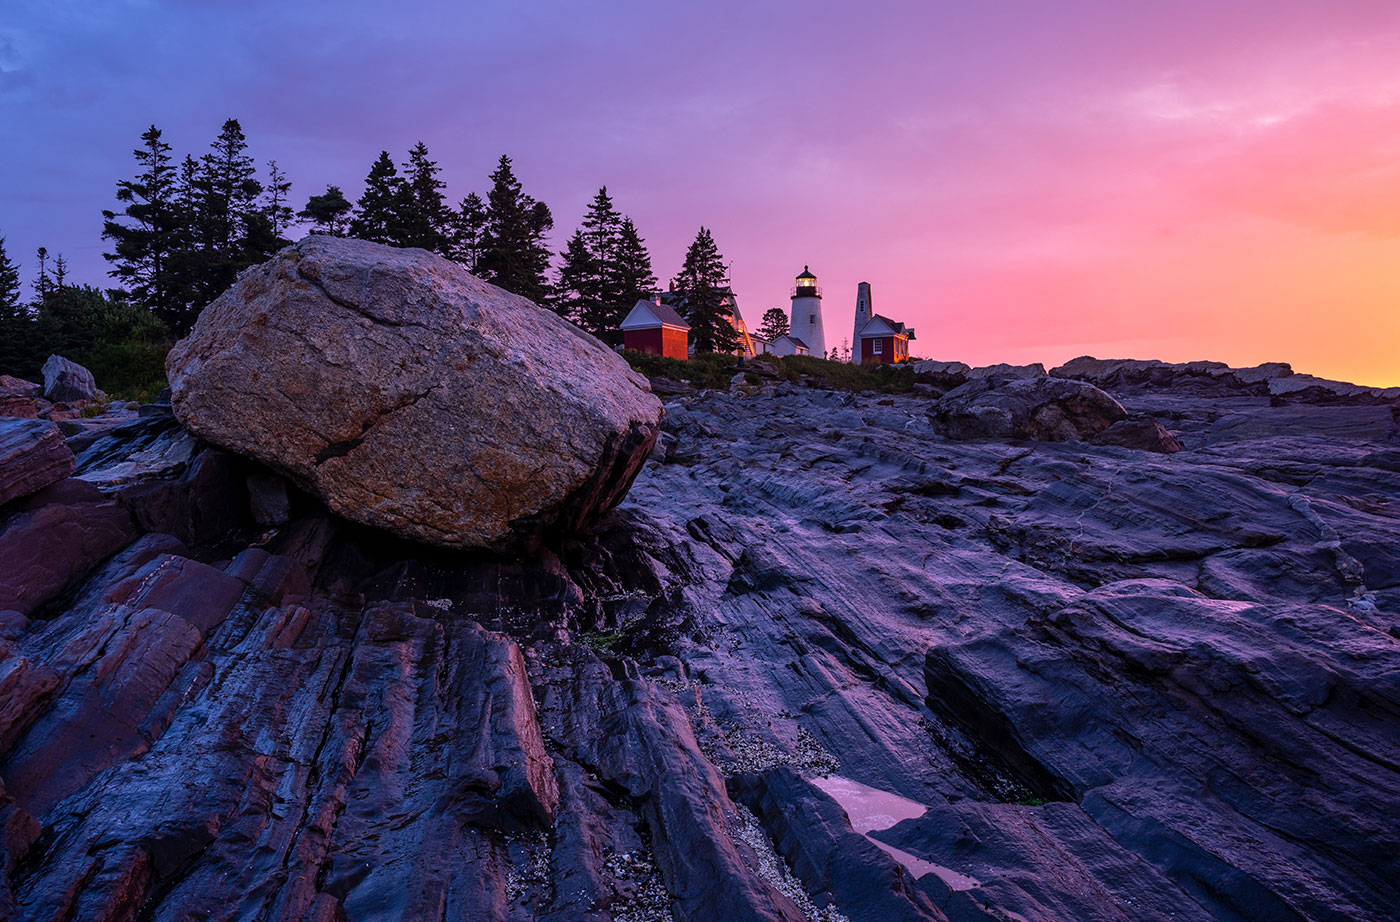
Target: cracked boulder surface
[1096, 684]
[411, 396]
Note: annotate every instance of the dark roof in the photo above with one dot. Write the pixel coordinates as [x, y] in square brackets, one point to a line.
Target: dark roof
[806, 273]
[795, 340]
[667, 314]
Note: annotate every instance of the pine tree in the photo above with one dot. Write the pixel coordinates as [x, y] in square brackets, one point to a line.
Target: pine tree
[514, 255]
[230, 188]
[15, 320]
[279, 213]
[60, 273]
[10, 306]
[605, 271]
[774, 324]
[601, 228]
[598, 308]
[576, 291]
[469, 232]
[422, 218]
[703, 289]
[42, 283]
[376, 214]
[148, 230]
[329, 213]
[186, 259]
[635, 279]
[231, 229]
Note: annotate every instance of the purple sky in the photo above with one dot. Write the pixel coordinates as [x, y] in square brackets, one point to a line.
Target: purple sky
[1019, 180]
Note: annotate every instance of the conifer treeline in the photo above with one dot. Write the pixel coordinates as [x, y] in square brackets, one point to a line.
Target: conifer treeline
[184, 230]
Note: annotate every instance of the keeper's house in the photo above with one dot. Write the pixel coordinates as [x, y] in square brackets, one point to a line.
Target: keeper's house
[884, 341]
[656, 328]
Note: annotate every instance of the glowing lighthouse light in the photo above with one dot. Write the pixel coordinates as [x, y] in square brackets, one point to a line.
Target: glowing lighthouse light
[806, 320]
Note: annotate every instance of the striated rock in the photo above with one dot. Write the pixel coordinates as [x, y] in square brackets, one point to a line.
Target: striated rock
[1308, 389]
[1041, 408]
[1275, 379]
[666, 387]
[67, 382]
[413, 397]
[942, 369]
[17, 397]
[54, 537]
[1140, 432]
[837, 865]
[1093, 684]
[20, 387]
[32, 456]
[1198, 721]
[1004, 372]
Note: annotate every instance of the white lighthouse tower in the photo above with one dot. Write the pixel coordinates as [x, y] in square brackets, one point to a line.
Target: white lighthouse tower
[806, 322]
[864, 311]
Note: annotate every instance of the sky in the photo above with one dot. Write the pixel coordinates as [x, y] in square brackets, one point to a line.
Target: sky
[1019, 180]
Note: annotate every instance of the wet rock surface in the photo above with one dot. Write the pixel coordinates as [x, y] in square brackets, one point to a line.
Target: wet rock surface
[1115, 684]
[413, 397]
[32, 456]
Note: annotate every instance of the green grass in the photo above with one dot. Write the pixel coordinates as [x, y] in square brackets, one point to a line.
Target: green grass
[705, 370]
[602, 640]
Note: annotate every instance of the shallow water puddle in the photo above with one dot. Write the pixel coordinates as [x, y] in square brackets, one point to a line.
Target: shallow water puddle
[871, 809]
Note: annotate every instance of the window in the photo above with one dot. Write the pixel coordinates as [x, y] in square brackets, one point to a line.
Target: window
[879, 346]
[811, 318]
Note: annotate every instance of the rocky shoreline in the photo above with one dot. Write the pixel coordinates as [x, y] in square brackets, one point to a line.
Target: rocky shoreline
[1122, 684]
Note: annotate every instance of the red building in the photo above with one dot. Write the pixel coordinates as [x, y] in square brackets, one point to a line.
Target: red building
[884, 341]
[656, 328]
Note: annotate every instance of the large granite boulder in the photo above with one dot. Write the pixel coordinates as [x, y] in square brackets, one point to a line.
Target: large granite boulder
[67, 382]
[1042, 408]
[411, 396]
[32, 456]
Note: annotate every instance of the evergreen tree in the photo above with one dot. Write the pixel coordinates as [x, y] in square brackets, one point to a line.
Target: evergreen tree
[702, 286]
[635, 279]
[422, 218]
[10, 306]
[469, 232]
[279, 213]
[230, 228]
[598, 309]
[376, 214]
[774, 324]
[186, 259]
[514, 255]
[602, 226]
[42, 283]
[230, 189]
[147, 232]
[605, 271]
[329, 213]
[577, 289]
[15, 319]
